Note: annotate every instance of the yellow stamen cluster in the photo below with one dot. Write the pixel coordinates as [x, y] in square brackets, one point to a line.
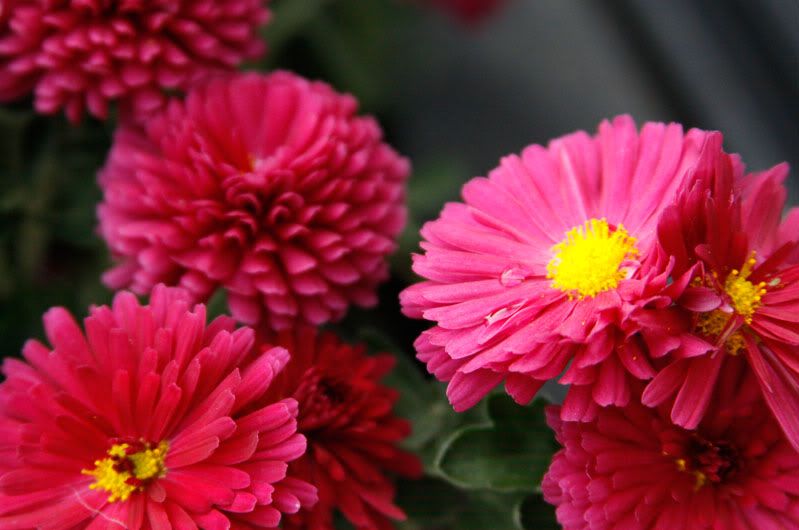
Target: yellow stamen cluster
[712, 324]
[123, 473]
[744, 294]
[589, 260]
[701, 478]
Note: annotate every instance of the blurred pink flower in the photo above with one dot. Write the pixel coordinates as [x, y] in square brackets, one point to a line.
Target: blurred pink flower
[346, 415]
[151, 419]
[737, 274]
[82, 54]
[632, 468]
[467, 10]
[550, 265]
[269, 186]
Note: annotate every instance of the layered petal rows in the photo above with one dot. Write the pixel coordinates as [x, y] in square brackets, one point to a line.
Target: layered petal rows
[550, 264]
[80, 55]
[148, 419]
[268, 186]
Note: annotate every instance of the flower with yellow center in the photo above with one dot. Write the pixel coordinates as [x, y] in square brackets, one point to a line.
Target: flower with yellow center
[123, 472]
[745, 297]
[589, 260]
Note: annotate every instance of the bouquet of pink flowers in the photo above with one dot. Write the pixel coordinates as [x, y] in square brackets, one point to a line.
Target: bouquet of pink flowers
[615, 315]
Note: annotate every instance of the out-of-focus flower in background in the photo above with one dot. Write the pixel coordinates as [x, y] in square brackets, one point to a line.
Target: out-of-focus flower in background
[80, 55]
[470, 11]
[549, 265]
[149, 414]
[345, 412]
[632, 468]
[268, 186]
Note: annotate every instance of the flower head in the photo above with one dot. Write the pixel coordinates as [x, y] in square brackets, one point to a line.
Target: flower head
[345, 413]
[632, 468]
[83, 54]
[737, 277]
[150, 415]
[268, 186]
[550, 263]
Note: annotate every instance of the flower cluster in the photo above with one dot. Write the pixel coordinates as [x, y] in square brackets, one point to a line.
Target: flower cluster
[646, 269]
[152, 418]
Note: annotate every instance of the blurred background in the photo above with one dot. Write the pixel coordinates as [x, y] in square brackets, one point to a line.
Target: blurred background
[454, 96]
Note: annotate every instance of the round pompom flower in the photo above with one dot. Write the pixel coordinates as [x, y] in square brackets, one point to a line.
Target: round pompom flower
[82, 54]
[346, 415]
[632, 468]
[150, 420]
[550, 261]
[269, 186]
[737, 276]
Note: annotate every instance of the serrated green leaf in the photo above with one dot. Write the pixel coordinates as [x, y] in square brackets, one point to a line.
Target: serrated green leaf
[510, 454]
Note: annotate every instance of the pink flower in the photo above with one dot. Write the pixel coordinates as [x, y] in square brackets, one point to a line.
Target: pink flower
[82, 54]
[632, 468]
[345, 413]
[151, 419]
[737, 276]
[270, 187]
[467, 10]
[550, 263]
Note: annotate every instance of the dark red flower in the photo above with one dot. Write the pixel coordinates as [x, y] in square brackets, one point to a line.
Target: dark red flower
[737, 277]
[346, 416]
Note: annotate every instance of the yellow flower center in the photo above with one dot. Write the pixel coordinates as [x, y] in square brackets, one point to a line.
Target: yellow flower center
[124, 472]
[745, 295]
[712, 324]
[589, 260]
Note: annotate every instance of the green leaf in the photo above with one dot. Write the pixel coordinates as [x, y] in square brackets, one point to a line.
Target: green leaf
[510, 454]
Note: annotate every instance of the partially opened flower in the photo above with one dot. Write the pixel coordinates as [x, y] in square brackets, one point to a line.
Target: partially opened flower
[82, 54]
[632, 468]
[737, 275]
[268, 186]
[346, 415]
[550, 262]
[151, 419]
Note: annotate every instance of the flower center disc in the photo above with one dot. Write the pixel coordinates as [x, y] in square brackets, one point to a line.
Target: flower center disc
[124, 471]
[589, 260]
[745, 295]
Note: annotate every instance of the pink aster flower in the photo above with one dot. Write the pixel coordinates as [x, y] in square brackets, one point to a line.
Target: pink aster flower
[345, 413]
[737, 276]
[151, 419]
[268, 186]
[82, 54]
[632, 468]
[550, 262]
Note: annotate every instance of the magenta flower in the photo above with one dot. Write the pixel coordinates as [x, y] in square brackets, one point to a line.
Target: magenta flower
[346, 415]
[268, 186]
[632, 468]
[151, 419]
[737, 276]
[470, 11]
[82, 54]
[550, 263]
